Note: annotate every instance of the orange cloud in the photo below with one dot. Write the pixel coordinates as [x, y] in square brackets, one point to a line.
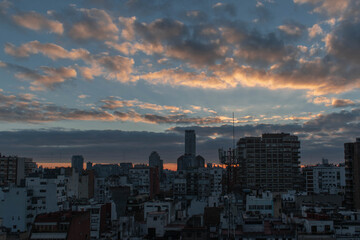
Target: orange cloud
[50, 50]
[37, 22]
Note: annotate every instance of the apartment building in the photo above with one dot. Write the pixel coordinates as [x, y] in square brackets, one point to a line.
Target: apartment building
[270, 162]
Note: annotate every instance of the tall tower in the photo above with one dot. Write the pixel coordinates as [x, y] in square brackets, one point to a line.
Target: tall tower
[77, 162]
[156, 162]
[352, 174]
[190, 143]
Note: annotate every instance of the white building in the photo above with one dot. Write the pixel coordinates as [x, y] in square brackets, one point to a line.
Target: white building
[262, 204]
[161, 206]
[318, 226]
[155, 223]
[216, 174]
[50, 193]
[325, 178]
[14, 211]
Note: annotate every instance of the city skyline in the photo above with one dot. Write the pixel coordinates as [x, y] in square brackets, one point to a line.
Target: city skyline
[114, 81]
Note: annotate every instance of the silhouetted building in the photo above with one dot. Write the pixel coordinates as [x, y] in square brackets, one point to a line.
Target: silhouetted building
[125, 167]
[352, 174]
[89, 166]
[190, 143]
[189, 160]
[270, 162]
[156, 162]
[77, 162]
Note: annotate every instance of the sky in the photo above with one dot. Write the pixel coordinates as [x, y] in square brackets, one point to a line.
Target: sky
[116, 80]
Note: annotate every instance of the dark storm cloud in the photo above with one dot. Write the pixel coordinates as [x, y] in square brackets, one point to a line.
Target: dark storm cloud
[95, 145]
[175, 39]
[254, 46]
[334, 121]
[164, 29]
[323, 136]
[344, 42]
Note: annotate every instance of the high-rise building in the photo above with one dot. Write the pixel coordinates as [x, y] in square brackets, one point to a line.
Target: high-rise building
[270, 162]
[77, 162]
[189, 160]
[13, 169]
[156, 162]
[352, 174]
[190, 143]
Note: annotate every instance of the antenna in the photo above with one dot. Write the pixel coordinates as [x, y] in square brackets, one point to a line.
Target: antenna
[233, 131]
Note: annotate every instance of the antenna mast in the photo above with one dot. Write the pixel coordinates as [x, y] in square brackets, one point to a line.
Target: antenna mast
[233, 131]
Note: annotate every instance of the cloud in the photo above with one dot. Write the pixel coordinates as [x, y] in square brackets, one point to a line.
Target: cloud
[94, 24]
[262, 12]
[179, 77]
[23, 108]
[82, 96]
[50, 50]
[50, 78]
[292, 29]
[46, 78]
[338, 103]
[26, 108]
[322, 100]
[169, 37]
[111, 67]
[58, 145]
[37, 22]
[323, 136]
[228, 8]
[328, 7]
[117, 67]
[344, 42]
[315, 30]
[114, 103]
[254, 47]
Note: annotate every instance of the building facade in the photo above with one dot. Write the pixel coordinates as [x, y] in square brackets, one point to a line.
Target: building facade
[324, 178]
[270, 162]
[352, 174]
[13, 169]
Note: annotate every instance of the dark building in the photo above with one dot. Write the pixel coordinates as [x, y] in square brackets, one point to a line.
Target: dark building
[156, 162]
[270, 162]
[352, 174]
[77, 162]
[189, 160]
[61, 225]
[14, 169]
